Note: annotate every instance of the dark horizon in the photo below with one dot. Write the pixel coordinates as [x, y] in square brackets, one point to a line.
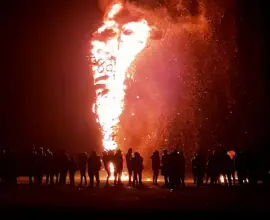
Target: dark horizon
[47, 91]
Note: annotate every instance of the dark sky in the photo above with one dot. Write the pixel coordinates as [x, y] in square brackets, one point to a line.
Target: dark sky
[45, 83]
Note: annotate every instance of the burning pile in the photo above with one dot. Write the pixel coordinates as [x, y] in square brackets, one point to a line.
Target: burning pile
[114, 47]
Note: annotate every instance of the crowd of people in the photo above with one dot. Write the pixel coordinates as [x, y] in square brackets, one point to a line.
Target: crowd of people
[247, 167]
[57, 167]
[209, 167]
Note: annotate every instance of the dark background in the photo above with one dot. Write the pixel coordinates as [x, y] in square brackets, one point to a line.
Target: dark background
[46, 93]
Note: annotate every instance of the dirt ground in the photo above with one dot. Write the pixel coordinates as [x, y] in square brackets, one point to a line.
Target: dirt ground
[147, 198]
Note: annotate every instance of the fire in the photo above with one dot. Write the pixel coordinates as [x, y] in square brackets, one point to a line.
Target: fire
[111, 166]
[114, 48]
[124, 176]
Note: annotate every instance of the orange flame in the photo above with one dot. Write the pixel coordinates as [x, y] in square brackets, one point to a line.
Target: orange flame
[114, 48]
[124, 176]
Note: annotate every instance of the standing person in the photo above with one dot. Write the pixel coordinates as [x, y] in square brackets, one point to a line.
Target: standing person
[2, 166]
[155, 166]
[32, 162]
[129, 164]
[39, 166]
[182, 171]
[111, 165]
[56, 160]
[226, 167]
[241, 167]
[82, 167]
[94, 166]
[48, 166]
[72, 170]
[138, 168]
[118, 160]
[10, 175]
[64, 167]
[193, 165]
[199, 164]
[165, 167]
[105, 159]
[174, 169]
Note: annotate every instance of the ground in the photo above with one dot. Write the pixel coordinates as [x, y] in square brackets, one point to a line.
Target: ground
[147, 198]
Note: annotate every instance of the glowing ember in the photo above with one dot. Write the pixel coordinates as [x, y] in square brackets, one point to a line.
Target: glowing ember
[114, 48]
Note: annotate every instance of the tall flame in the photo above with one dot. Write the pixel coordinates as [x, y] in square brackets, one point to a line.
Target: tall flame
[114, 48]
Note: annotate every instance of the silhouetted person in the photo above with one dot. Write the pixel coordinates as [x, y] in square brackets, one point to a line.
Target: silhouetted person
[193, 165]
[7, 167]
[110, 162]
[182, 168]
[241, 167]
[177, 169]
[174, 166]
[49, 166]
[31, 164]
[105, 159]
[11, 167]
[56, 167]
[72, 170]
[213, 168]
[129, 164]
[138, 168]
[208, 166]
[252, 167]
[199, 167]
[2, 166]
[165, 167]
[155, 166]
[226, 166]
[118, 161]
[64, 167]
[82, 167]
[94, 165]
[39, 166]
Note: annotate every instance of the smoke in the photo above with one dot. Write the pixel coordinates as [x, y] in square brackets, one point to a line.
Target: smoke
[173, 99]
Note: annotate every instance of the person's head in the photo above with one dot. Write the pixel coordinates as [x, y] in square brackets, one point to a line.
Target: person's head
[165, 151]
[40, 150]
[136, 154]
[224, 151]
[155, 153]
[118, 151]
[94, 153]
[181, 153]
[199, 151]
[110, 152]
[130, 150]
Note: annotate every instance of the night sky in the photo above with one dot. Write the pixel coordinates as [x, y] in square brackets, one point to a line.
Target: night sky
[46, 91]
